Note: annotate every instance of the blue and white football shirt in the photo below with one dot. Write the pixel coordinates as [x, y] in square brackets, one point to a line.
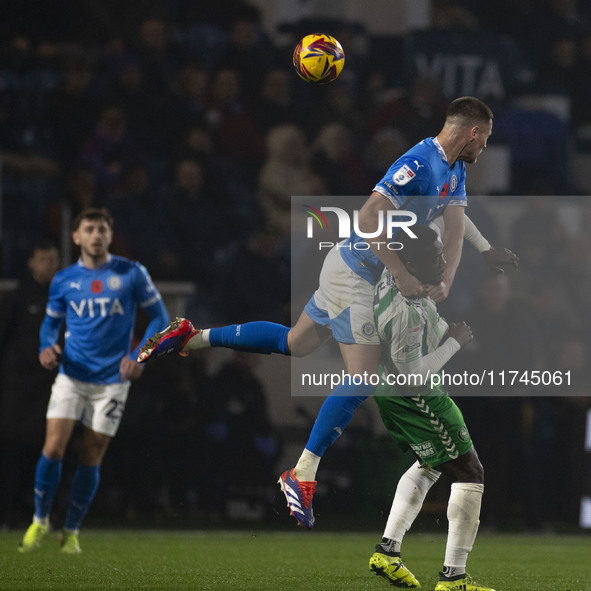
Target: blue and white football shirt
[421, 181]
[99, 307]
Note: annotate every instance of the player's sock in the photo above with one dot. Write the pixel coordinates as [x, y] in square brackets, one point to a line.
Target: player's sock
[48, 475]
[254, 337]
[307, 466]
[463, 515]
[84, 487]
[335, 414]
[411, 491]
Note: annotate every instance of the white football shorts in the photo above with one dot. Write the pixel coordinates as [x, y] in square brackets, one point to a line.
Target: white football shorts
[97, 406]
[344, 301]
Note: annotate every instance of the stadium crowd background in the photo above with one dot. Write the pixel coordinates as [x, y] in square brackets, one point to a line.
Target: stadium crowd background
[186, 120]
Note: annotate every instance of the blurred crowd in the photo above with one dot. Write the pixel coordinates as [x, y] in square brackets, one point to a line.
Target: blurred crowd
[188, 123]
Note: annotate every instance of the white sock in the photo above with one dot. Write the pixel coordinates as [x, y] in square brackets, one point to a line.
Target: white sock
[463, 515]
[411, 491]
[307, 466]
[198, 341]
[41, 520]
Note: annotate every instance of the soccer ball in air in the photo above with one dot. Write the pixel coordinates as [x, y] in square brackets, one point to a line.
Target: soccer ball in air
[318, 58]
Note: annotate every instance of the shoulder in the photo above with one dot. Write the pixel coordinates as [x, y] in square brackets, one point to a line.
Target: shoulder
[125, 266]
[118, 263]
[70, 273]
[388, 300]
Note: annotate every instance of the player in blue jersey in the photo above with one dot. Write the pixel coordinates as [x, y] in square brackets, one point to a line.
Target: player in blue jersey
[429, 181]
[97, 297]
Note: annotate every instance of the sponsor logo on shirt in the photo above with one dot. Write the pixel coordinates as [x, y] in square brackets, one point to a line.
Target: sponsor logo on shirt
[403, 175]
[93, 307]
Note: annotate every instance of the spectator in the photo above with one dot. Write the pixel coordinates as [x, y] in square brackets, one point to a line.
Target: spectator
[109, 149]
[237, 418]
[415, 113]
[188, 199]
[285, 173]
[24, 384]
[231, 123]
[75, 105]
[137, 215]
[253, 296]
[158, 58]
[244, 53]
[149, 114]
[334, 160]
[275, 105]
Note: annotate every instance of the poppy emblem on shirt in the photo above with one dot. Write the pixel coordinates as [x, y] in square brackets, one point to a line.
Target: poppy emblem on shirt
[96, 286]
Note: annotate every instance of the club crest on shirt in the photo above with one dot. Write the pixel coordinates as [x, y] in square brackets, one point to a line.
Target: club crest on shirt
[463, 433]
[453, 183]
[368, 329]
[403, 175]
[114, 282]
[412, 341]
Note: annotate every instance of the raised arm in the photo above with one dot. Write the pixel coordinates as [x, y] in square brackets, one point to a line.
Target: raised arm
[453, 240]
[458, 335]
[377, 205]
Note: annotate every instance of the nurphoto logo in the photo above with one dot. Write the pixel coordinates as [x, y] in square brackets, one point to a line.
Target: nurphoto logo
[393, 221]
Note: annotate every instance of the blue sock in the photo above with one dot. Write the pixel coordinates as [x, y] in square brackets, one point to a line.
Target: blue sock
[254, 337]
[84, 487]
[48, 475]
[335, 414]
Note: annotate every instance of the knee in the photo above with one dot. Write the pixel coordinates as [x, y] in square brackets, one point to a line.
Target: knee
[479, 473]
[475, 471]
[54, 451]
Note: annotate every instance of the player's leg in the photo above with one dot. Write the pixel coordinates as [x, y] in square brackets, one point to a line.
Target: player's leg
[84, 487]
[344, 300]
[255, 337]
[48, 475]
[463, 514]
[64, 408]
[103, 411]
[181, 336]
[337, 410]
[411, 491]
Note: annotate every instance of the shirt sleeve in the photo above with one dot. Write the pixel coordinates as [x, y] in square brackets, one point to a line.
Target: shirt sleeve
[431, 363]
[55, 314]
[56, 303]
[150, 301]
[405, 178]
[407, 340]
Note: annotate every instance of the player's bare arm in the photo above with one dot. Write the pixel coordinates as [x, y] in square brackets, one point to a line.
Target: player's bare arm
[495, 257]
[453, 240]
[50, 356]
[377, 205]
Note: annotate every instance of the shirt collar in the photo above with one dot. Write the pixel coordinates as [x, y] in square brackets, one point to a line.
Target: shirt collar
[440, 149]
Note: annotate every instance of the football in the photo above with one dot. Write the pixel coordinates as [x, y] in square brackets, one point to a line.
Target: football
[318, 58]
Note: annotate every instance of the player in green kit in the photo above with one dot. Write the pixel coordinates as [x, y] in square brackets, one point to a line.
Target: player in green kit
[416, 343]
